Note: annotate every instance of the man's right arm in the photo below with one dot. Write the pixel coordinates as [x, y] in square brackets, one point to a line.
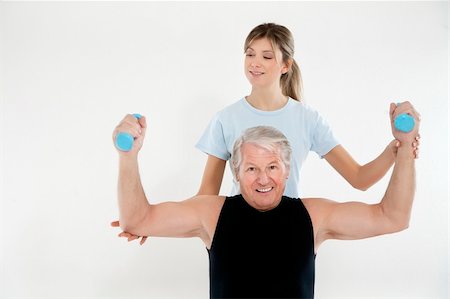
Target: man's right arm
[193, 217]
[170, 219]
[133, 204]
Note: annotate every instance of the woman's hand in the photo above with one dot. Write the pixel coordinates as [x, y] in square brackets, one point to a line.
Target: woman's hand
[394, 144]
[129, 236]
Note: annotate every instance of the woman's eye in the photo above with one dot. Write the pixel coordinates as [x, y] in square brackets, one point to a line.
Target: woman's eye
[267, 57]
[273, 167]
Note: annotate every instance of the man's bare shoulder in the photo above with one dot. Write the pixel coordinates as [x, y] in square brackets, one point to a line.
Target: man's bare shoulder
[318, 207]
[207, 203]
[209, 199]
[209, 207]
[316, 202]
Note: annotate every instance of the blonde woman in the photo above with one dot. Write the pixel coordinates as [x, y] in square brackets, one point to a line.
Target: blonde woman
[275, 100]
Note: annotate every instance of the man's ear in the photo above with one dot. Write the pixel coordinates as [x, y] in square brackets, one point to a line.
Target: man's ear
[288, 172]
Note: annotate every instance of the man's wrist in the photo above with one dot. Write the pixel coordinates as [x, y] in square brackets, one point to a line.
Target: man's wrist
[406, 150]
[128, 158]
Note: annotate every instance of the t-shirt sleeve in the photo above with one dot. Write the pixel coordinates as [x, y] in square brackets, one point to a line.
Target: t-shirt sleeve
[323, 139]
[212, 142]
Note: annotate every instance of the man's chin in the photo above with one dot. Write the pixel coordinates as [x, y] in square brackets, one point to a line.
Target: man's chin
[266, 202]
[263, 201]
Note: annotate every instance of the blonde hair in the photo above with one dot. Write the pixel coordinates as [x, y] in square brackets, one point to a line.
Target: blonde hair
[281, 38]
[265, 137]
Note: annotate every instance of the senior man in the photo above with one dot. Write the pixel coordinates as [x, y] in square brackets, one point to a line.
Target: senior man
[261, 243]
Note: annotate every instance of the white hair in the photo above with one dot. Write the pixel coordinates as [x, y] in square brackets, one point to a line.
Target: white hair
[265, 137]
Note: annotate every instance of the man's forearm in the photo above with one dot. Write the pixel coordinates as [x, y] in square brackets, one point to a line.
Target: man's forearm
[397, 202]
[132, 201]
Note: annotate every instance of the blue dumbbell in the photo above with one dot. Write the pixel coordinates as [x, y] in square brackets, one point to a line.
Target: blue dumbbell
[124, 141]
[404, 123]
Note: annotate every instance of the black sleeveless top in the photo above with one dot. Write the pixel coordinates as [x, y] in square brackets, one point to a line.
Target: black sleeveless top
[262, 254]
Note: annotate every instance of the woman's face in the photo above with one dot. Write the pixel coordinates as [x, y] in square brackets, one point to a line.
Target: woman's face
[263, 64]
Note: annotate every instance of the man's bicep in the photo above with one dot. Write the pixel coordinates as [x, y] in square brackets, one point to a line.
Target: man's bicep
[171, 219]
[354, 220]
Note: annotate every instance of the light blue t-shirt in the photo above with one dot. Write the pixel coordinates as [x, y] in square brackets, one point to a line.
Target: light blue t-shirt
[305, 129]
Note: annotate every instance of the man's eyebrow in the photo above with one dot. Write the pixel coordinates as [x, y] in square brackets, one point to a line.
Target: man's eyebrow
[246, 163]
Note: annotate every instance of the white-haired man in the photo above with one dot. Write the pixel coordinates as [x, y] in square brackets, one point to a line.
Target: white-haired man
[260, 243]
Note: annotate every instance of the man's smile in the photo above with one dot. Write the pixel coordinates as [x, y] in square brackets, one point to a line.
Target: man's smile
[265, 190]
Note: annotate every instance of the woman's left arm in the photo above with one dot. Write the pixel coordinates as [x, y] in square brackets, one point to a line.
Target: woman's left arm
[364, 176]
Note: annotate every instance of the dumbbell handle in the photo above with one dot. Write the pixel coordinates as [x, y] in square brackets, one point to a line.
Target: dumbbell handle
[124, 141]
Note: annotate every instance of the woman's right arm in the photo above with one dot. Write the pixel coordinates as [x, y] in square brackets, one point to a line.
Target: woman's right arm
[212, 176]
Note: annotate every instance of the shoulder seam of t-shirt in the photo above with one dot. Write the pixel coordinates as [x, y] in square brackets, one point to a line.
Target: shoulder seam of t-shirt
[213, 150]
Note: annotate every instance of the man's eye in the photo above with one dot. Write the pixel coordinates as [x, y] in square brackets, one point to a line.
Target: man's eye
[249, 54]
[273, 167]
[251, 169]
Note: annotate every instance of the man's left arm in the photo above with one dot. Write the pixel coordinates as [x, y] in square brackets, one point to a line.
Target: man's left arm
[356, 220]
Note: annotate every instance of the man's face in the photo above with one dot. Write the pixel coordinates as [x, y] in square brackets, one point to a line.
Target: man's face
[262, 177]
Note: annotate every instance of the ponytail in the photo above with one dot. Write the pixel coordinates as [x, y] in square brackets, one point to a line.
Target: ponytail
[292, 83]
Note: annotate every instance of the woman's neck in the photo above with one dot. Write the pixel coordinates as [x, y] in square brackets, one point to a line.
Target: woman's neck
[267, 100]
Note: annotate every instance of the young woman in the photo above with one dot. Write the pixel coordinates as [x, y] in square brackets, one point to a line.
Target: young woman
[275, 100]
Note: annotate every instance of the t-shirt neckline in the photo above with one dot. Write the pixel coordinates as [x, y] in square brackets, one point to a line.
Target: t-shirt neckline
[263, 112]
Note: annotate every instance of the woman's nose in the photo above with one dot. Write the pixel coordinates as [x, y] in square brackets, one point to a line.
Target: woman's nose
[255, 63]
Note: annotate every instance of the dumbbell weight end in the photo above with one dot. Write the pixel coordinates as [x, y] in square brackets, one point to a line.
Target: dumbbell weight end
[124, 141]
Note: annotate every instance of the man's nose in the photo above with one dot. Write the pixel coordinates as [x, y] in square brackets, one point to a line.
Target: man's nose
[263, 178]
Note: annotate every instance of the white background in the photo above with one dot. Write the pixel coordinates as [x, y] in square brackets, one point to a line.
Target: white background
[70, 71]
